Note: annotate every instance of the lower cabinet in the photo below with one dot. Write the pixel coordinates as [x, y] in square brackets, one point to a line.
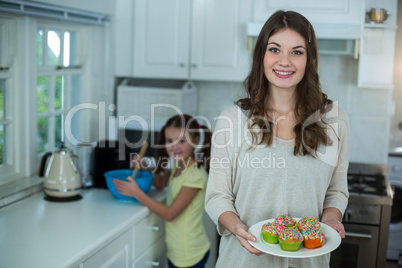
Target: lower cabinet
[155, 256]
[142, 245]
[115, 254]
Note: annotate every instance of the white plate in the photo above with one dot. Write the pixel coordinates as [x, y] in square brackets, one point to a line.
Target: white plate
[331, 241]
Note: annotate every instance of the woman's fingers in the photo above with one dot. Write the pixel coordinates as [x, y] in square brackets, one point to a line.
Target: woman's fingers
[243, 236]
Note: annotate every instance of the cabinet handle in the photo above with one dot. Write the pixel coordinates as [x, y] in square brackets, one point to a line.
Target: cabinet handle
[357, 49]
[359, 235]
[250, 45]
[194, 65]
[155, 264]
[182, 65]
[155, 228]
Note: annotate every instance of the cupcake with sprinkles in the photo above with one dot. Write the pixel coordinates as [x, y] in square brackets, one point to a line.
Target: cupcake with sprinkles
[308, 222]
[285, 220]
[270, 231]
[313, 238]
[290, 239]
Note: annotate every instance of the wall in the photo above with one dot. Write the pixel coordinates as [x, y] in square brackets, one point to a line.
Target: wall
[99, 6]
[396, 123]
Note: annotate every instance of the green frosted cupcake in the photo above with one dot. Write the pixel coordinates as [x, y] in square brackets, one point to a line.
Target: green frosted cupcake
[270, 231]
[290, 239]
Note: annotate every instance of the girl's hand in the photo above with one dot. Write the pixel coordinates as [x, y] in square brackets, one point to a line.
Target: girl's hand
[136, 161]
[337, 225]
[242, 235]
[129, 188]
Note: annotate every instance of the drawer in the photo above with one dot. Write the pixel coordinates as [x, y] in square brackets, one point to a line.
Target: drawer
[154, 257]
[115, 254]
[146, 232]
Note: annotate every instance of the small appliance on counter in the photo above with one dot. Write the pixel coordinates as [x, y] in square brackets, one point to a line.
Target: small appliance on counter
[62, 179]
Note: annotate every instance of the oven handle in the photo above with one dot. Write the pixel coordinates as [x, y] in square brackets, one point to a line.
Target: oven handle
[353, 234]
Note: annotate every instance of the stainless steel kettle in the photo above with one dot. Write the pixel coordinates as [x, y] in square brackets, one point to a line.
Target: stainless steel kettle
[61, 174]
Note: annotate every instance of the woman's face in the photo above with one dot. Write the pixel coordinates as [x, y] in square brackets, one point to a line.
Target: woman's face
[285, 59]
[178, 144]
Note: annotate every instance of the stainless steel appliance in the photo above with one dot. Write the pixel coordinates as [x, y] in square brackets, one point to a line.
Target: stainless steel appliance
[366, 218]
[394, 251]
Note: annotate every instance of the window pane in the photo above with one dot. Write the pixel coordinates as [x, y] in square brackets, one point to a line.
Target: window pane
[59, 94]
[58, 130]
[67, 48]
[53, 48]
[39, 47]
[2, 98]
[42, 94]
[2, 147]
[42, 138]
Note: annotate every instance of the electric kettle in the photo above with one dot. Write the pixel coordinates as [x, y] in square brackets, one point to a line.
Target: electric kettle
[62, 178]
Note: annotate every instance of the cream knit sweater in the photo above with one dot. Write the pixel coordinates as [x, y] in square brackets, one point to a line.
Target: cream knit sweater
[265, 182]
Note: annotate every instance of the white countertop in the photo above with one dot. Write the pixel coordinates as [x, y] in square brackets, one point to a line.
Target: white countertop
[39, 233]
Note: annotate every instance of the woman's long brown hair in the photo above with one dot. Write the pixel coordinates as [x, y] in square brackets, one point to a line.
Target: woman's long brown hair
[189, 123]
[311, 102]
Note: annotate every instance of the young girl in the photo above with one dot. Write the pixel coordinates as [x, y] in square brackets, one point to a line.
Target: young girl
[186, 239]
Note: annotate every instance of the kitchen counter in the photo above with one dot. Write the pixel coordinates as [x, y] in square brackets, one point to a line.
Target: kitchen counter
[39, 233]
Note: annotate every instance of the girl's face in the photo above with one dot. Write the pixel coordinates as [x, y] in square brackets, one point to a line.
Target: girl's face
[179, 145]
[285, 59]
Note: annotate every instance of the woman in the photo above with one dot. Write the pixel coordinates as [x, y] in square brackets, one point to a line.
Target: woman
[282, 150]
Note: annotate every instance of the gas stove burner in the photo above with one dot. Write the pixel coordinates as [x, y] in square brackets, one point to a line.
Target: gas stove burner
[373, 184]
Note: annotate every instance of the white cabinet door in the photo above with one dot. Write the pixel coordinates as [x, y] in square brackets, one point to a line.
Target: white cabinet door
[219, 42]
[161, 38]
[154, 257]
[115, 254]
[376, 63]
[324, 11]
[146, 232]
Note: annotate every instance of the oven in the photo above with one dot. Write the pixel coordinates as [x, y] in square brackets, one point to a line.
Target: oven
[395, 228]
[366, 219]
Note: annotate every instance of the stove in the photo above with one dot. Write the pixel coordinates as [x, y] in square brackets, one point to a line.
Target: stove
[366, 218]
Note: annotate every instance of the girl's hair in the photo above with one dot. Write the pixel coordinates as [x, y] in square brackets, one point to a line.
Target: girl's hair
[309, 97]
[189, 123]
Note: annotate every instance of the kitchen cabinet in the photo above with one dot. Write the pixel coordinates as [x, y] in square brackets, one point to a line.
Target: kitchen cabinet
[316, 11]
[115, 254]
[143, 245]
[377, 48]
[146, 233]
[199, 40]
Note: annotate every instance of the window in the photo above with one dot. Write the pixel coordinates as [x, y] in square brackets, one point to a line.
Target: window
[7, 163]
[57, 70]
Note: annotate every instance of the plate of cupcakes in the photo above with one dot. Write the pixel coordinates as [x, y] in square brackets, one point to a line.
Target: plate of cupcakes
[290, 237]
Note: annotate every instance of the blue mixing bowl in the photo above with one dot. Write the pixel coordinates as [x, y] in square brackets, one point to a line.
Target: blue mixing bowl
[143, 178]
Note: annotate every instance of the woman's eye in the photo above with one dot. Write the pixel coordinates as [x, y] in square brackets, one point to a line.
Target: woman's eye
[273, 50]
[297, 52]
[181, 141]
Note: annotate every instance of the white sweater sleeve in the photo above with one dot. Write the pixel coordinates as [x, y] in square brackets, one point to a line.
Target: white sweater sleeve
[337, 193]
[219, 194]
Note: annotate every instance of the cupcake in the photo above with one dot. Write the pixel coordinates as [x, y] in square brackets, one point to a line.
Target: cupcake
[285, 220]
[290, 239]
[309, 222]
[270, 231]
[313, 238]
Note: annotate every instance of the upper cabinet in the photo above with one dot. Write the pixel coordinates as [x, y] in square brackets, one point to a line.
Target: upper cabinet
[316, 11]
[377, 47]
[183, 39]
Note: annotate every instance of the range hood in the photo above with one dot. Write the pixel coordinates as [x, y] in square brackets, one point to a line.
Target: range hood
[333, 39]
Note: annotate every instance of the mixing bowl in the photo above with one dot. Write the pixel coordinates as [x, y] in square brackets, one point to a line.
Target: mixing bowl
[143, 178]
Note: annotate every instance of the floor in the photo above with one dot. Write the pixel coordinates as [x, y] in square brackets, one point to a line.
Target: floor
[392, 264]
